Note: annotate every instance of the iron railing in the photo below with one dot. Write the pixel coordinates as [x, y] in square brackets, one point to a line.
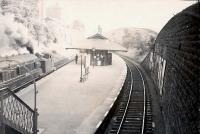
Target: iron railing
[15, 113]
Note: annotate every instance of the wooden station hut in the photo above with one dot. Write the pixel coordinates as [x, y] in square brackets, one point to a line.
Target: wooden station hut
[100, 49]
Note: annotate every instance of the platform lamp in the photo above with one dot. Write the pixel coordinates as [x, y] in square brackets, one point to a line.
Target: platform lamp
[81, 77]
[35, 115]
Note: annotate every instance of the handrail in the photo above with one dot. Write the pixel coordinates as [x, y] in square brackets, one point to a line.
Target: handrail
[16, 97]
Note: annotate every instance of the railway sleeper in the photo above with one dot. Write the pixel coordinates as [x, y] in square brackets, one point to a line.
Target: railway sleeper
[137, 100]
[134, 115]
[138, 94]
[133, 123]
[136, 108]
[148, 130]
[122, 109]
[133, 118]
[148, 114]
[130, 131]
[134, 112]
[149, 109]
[129, 117]
[131, 127]
[133, 106]
[149, 120]
[125, 131]
[136, 103]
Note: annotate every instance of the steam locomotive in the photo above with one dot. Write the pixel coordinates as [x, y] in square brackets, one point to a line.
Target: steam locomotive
[17, 72]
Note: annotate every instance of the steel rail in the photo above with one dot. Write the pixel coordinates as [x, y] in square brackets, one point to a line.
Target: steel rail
[144, 113]
[129, 98]
[144, 110]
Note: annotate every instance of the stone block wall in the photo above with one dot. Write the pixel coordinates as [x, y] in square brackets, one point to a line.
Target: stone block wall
[174, 65]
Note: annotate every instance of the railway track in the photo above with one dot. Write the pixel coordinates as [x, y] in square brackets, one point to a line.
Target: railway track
[132, 114]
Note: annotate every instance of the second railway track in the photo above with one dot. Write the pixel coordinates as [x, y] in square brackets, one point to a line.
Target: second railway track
[132, 113]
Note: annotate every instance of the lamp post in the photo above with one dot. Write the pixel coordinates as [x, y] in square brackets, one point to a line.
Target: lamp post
[81, 78]
[93, 55]
[35, 115]
[2, 126]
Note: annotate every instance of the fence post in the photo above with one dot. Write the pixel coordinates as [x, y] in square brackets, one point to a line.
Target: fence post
[35, 118]
[2, 125]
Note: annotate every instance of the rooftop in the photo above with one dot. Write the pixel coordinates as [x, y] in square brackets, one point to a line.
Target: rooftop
[23, 58]
[98, 42]
[97, 36]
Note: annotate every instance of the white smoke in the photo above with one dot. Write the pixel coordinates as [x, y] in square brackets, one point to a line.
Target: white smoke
[14, 37]
[58, 36]
[21, 31]
[47, 37]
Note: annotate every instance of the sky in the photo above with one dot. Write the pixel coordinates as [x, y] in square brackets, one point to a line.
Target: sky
[113, 14]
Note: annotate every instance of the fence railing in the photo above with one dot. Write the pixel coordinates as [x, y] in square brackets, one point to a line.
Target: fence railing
[15, 113]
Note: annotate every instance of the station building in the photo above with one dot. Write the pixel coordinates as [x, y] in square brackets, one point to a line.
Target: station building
[99, 48]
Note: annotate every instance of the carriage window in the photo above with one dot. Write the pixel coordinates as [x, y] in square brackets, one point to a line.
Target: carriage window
[18, 71]
[1, 77]
[12, 73]
[35, 65]
[27, 66]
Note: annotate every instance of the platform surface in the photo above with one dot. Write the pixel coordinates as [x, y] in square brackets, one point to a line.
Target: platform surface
[67, 106]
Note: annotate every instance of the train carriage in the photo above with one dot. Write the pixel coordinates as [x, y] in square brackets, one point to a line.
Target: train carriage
[18, 70]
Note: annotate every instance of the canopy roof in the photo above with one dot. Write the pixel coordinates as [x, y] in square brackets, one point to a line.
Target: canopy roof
[98, 42]
[97, 36]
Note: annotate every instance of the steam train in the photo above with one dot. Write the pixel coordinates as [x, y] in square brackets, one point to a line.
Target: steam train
[17, 72]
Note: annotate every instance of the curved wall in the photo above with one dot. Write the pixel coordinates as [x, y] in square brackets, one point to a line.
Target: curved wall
[174, 64]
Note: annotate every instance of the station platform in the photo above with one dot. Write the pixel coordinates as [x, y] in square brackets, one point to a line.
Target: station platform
[67, 106]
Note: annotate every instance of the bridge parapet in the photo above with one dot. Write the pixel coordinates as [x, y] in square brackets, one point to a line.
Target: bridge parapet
[15, 113]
